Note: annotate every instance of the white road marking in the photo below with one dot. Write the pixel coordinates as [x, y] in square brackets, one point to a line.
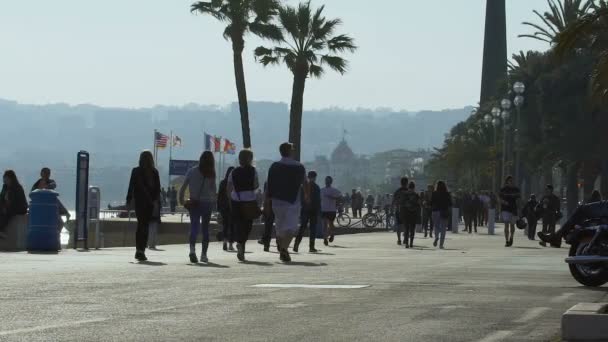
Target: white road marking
[53, 326]
[291, 306]
[564, 297]
[531, 314]
[310, 286]
[496, 336]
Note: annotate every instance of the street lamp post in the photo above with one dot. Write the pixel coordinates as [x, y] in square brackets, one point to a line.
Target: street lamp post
[506, 105]
[519, 89]
[490, 121]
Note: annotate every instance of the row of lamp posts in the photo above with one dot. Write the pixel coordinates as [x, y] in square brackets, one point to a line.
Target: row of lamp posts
[499, 116]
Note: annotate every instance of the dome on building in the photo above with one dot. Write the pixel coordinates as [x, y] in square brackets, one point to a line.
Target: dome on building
[342, 153]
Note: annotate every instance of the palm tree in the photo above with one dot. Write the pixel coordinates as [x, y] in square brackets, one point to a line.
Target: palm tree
[562, 14]
[590, 32]
[242, 17]
[308, 45]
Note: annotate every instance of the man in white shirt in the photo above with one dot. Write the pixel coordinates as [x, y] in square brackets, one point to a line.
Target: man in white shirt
[329, 197]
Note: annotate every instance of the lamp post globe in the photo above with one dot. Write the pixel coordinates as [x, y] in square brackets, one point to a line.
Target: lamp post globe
[505, 115]
[496, 112]
[505, 104]
[519, 101]
[519, 88]
[496, 122]
[488, 118]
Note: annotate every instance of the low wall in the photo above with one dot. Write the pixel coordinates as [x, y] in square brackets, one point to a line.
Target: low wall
[121, 233]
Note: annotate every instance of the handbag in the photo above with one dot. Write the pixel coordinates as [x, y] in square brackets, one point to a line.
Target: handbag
[191, 203]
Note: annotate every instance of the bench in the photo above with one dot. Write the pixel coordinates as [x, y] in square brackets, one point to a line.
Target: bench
[16, 232]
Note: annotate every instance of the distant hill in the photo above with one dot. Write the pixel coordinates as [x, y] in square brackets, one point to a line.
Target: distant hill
[51, 135]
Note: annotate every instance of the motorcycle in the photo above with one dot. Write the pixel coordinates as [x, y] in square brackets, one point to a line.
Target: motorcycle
[588, 255]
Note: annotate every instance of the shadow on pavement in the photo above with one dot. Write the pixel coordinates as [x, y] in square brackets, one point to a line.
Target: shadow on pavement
[209, 264]
[44, 252]
[257, 263]
[156, 249]
[303, 263]
[321, 253]
[149, 263]
[336, 246]
[524, 247]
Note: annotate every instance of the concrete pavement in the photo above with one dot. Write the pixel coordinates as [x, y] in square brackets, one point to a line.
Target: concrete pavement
[475, 290]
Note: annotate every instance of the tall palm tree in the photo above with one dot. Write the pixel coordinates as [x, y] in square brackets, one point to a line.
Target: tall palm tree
[561, 14]
[242, 17]
[308, 45]
[590, 32]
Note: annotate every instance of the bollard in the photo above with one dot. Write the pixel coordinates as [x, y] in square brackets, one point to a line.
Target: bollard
[491, 221]
[455, 220]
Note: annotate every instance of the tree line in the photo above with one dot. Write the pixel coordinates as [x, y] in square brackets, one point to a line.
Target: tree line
[562, 121]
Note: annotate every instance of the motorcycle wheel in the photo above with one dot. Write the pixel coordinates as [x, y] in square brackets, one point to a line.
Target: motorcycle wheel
[592, 275]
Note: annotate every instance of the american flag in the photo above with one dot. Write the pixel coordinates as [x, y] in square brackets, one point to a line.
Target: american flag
[161, 140]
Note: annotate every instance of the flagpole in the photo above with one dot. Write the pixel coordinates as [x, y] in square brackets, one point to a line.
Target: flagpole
[154, 148]
[170, 158]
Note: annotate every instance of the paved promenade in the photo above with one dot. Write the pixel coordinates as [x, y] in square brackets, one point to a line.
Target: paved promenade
[475, 290]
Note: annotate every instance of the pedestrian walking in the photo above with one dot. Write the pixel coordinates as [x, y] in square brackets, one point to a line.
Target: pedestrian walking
[408, 203]
[173, 199]
[396, 203]
[529, 212]
[427, 217]
[144, 196]
[201, 184]
[242, 185]
[369, 203]
[268, 216]
[310, 211]
[549, 209]
[509, 198]
[329, 200]
[441, 203]
[225, 210]
[285, 180]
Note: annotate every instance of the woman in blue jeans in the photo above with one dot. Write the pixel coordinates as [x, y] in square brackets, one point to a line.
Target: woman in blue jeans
[200, 181]
[441, 202]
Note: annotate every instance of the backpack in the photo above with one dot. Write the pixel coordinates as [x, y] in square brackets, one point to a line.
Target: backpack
[409, 201]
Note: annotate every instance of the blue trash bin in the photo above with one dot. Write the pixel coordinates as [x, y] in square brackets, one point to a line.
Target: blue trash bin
[42, 232]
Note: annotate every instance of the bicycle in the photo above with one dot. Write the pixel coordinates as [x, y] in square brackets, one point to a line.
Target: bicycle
[378, 217]
[343, 219]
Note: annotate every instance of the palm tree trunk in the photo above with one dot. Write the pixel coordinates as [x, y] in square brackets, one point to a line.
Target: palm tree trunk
[241, 89]
[297, 107]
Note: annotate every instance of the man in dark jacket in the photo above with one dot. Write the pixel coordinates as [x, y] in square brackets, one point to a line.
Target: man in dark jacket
[45, 182]
[549, 209]
[311, 209]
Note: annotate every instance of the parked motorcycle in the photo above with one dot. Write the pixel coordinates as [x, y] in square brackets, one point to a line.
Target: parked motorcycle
[588, 256]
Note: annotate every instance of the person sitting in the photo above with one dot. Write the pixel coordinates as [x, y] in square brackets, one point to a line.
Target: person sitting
[12, 201]
[590, 211]
[45, 182]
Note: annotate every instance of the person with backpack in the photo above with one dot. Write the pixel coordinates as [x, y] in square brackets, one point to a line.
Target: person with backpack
[409, 212]
[441, 202]
[224, 209]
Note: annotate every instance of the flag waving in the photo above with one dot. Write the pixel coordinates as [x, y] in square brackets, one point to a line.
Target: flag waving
[212, 143]
[160, 140]
[177, 141]
[229, 147]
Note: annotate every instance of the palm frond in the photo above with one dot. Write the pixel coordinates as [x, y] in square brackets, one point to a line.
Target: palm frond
[316, 71]
[264, 10]
[599, 79]
[341, 43]
[212, 8]
[584, 28]
[338, 64]
[266, 31]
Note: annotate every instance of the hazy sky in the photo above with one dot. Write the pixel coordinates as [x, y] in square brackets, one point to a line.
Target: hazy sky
[414, 54]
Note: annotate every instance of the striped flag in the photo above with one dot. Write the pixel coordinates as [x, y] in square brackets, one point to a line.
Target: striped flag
[161, 140]
[229, 147]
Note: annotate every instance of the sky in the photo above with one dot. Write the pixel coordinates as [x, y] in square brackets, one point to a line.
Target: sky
[413, 55]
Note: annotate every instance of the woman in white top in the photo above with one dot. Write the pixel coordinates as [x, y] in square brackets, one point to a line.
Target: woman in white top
[200, 182]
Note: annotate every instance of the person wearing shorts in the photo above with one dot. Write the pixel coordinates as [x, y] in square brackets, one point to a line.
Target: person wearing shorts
[329, 197]
[509, 198]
